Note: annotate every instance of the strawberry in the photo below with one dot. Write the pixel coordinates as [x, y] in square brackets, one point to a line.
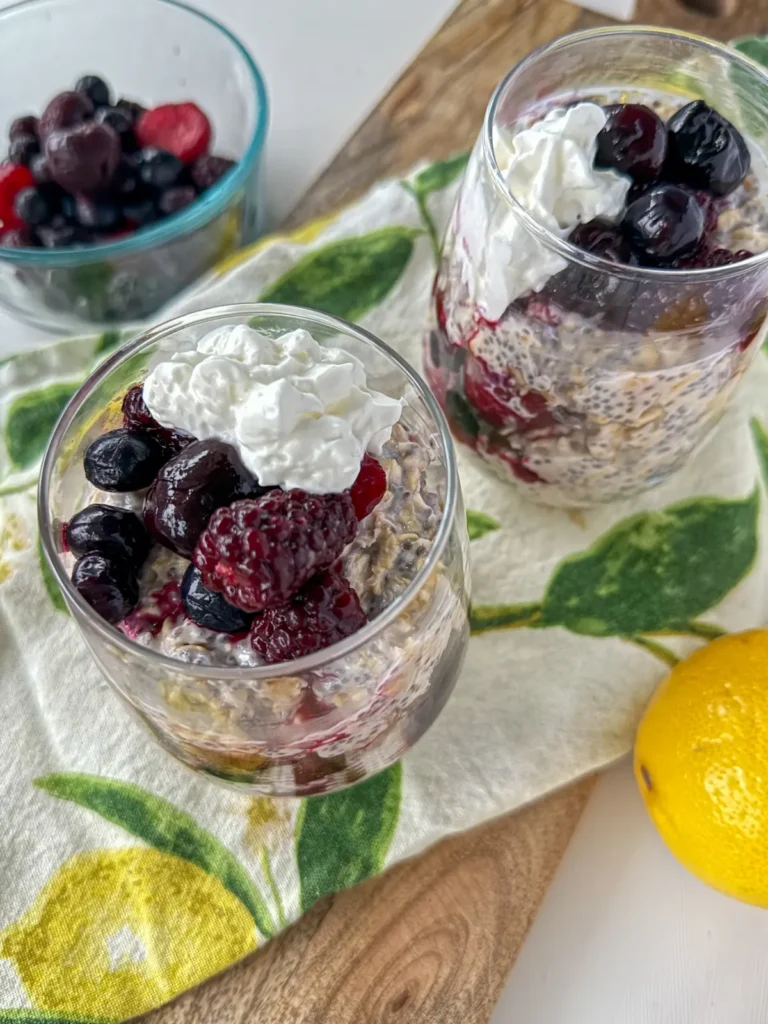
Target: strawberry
[178, 128]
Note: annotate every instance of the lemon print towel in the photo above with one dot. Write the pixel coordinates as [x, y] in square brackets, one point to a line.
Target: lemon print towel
[126, 878]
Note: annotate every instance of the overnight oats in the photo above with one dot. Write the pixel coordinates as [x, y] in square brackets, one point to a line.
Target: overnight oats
[603, 281]
[255, 516]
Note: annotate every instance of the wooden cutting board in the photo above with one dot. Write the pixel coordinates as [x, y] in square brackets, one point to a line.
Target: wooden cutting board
[433, 940]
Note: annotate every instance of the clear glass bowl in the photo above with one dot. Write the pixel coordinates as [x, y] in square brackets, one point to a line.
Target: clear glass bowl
[319, 722]
[600, 384]
[153, 51]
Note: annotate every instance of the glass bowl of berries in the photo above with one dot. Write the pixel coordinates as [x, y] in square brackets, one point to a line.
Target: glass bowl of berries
[603, 281]
[254, 515]
[133, 157]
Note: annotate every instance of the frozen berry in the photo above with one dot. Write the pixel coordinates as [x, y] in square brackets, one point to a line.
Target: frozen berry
[137, 416]
[94, 89]
[323, 612]
[83, 158]
[369, 487]
[190, 487]
[498, 400]
[175, 199]
[39, 167]
[633, 141]
[259, 553]
[120, 122]
[207, 170]
[158, 168]
[17, 238]
[13, 179]
[706, 150]
[140, 211]
[209, 609]
[602, 239]
[97, 214]
[23, 149]
[110, 531]
[58, 236]
[66, 110]
[109, 585]
[27, 124]
[32, 206]
[180, 128]
[122, 460]
[663, 224]
[130, 108]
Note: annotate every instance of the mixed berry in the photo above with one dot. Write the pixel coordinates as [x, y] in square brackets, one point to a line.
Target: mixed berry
[262, 562]
[92, 169]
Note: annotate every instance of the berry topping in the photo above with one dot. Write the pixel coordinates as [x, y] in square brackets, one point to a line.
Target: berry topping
[158, 607]
[23, 149]
[705, 258]
[158, 168]
[663, 224]
[633, 141]
[603, 239]
[108, 531]
[180, 128]
[83, 158]
[13, 179]
[94, 89]
[209, 609]
[260, 553]
[323, 612]
[175, 199]
[207, 170]
[706, 150]
[710, 209]
[122, 460]
[66, 110]
[27, 124]
[189, 488]
[369, 487]
[499, 401]
[107, 584]
[137, 416]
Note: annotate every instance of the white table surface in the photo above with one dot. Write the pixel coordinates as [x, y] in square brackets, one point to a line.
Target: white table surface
[625, 935]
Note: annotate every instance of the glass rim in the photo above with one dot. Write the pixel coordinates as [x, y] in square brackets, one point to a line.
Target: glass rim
[213, 202]
[561, 246]
[109, 633]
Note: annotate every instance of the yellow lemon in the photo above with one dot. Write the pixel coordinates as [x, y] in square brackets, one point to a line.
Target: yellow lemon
[701, 762]
[117, 932]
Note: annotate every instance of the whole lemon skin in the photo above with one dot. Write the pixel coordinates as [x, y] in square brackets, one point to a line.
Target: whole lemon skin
[701, 763]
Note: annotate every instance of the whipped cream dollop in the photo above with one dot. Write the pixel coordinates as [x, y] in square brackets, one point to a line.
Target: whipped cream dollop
[549, 168]
[299, 414]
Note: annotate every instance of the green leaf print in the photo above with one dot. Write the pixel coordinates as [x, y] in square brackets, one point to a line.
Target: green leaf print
[51, 586]
[656, 570]
[107, 341]
[755, 47]
[760, 439]
[486, 617]
[478, 524]
[41, 1017]
[31, 418]
[349, 277]
[162, 826]
[344, 837]
[439, 175]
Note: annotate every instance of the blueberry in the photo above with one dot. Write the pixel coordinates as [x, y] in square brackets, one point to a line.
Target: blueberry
[122, 460]
[109, 531]
[83, 158]
[65, 111]
[158, 168]
[633, 141]
[39, 167]
[120, 122]
[705, 150]
[663, 224]
[32, 207]
[209, 609]
[207, 170]
[25, 125]
[95, 88]
[141, 211]
[57, 236]
[23, 148]
[97, 214]
[175, 199]
[108, 585]
[130, 108]
[125, 181]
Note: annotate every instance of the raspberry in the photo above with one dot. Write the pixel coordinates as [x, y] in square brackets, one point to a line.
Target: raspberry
[323, 612]
[178, 128]
[136, 416]
[13, 178]
[493, 395]
[259, 553]
[369, 488]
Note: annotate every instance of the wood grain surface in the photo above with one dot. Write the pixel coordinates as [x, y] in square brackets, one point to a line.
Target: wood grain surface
[433, 940]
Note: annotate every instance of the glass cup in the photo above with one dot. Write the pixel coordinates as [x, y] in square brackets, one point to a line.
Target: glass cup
[325, 720]
[151, 51]
[595, 380]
